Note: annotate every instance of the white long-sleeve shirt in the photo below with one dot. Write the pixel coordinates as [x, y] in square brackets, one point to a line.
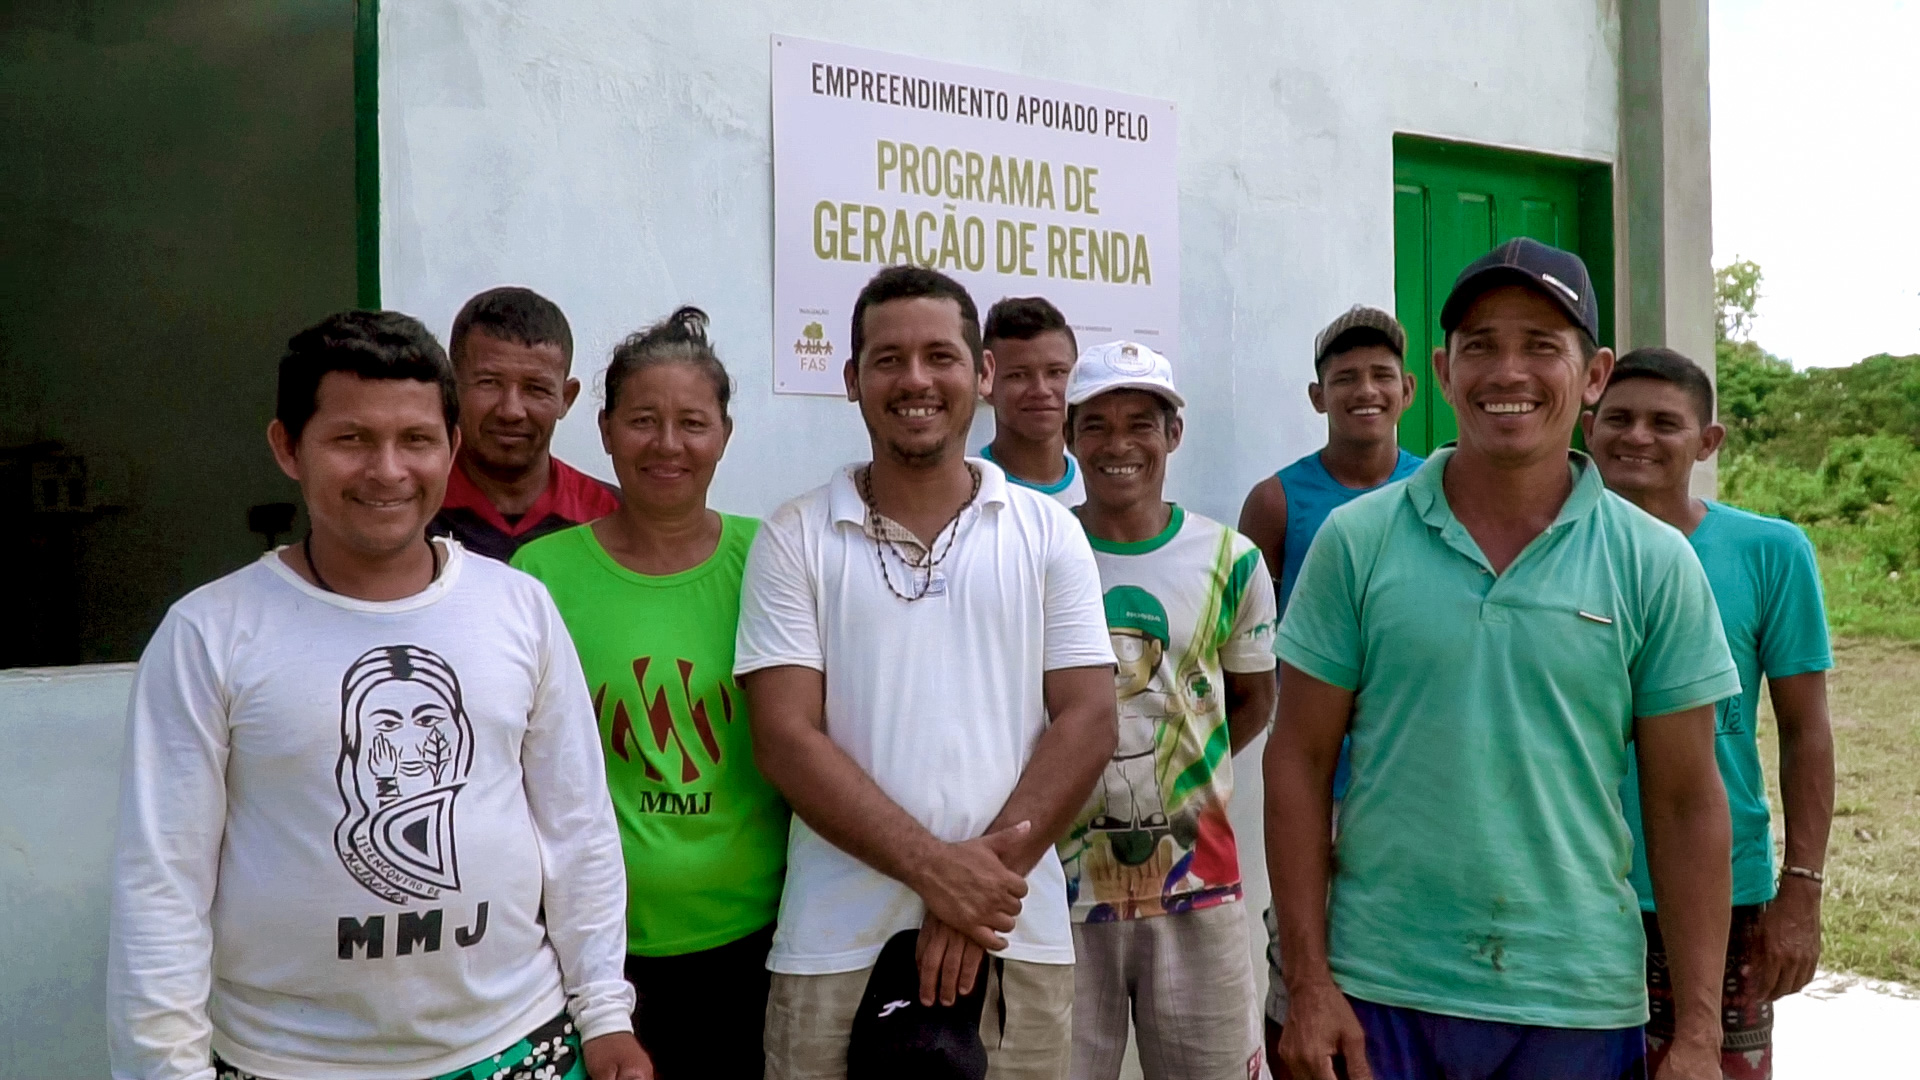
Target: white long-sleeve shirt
[339, 823]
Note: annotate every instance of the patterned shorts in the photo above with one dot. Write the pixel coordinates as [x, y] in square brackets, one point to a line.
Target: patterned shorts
[1746, 1021]
[550, 1052]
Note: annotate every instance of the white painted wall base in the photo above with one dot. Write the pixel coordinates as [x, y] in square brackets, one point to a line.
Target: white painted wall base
[61, 730]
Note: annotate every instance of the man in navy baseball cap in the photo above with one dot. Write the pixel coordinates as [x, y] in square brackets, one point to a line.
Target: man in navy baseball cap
[1558, 275]
[1522, 635]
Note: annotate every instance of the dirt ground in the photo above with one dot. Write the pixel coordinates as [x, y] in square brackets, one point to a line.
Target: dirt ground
[1872, 908]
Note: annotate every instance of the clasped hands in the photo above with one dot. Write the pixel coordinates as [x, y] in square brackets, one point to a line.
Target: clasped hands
[973, 896]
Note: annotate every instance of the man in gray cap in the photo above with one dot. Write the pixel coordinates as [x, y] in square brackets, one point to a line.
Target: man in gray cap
[1500, 635]
[1361, 385]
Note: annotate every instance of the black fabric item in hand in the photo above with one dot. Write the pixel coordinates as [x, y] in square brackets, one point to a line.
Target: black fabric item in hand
[895, 1036]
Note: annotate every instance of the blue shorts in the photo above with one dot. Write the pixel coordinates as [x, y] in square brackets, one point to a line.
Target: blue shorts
[1407, 1044]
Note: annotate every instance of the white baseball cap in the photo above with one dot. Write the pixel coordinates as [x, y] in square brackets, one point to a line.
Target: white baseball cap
[1121, 365]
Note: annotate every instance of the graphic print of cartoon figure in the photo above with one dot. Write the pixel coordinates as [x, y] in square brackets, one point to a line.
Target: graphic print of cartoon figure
[406, 747]
[1134, 814]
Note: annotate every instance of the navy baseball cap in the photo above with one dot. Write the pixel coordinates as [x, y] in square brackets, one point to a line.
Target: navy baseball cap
[895, 1037]
[1558, 275]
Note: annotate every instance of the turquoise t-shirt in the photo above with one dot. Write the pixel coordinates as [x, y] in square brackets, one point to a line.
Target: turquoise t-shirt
[1481, 866]
[1767, 585]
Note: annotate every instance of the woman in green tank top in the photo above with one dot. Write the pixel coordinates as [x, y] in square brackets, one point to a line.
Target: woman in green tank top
[651, 595]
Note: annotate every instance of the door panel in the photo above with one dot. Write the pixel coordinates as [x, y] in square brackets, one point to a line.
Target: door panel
[1452, 204]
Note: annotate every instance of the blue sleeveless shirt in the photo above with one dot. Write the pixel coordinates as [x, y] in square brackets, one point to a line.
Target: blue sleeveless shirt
[1312, 494]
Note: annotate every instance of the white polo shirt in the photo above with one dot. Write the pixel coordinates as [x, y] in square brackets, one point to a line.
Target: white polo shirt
[938, 699]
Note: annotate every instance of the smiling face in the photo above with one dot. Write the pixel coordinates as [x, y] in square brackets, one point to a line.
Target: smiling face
[1646, 436]
[1515, 372]
[1122, 439]
[666, 434]
[372, 463]
[511, 396]
[1030, 385]
[1363, 391]
[915, 380]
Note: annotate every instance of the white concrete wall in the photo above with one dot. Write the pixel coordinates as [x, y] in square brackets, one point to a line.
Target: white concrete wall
[617, 157]
[641, 131]
[60, 736]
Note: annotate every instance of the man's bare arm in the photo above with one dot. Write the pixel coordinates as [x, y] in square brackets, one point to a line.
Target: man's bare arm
[1298, 772]
[1263, 520]
[966, 884]
[1082, 731]
[1250, 698]
[1683, 805]
[1790, 928]
[1083, 728]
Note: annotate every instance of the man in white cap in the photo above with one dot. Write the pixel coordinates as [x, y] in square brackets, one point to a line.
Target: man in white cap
[1153, 874]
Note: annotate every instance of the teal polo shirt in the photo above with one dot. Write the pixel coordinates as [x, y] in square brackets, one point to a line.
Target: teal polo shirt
[1481, 866]
[1767, 585]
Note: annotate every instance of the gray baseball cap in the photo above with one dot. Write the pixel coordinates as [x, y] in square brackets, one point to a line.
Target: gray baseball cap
[1360, 317]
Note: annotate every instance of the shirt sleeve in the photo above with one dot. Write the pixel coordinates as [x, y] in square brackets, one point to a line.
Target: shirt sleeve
[1076, 614]
[779, 618]
[1249, 605]
[173, 813]
[1793, 628]
[584, 876]
[1683, 661]
[1320, 633]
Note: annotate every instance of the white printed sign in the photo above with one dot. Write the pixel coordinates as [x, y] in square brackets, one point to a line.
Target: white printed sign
[1014, 186]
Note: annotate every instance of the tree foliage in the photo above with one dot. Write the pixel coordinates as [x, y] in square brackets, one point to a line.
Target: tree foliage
[1835, 450]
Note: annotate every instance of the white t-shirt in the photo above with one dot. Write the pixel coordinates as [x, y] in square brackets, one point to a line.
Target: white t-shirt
[1068, 491]
[939, 699]
[339, 822]
[1184, 608]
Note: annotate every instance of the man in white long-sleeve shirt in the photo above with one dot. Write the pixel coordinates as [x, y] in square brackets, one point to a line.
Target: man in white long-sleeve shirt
[356, 773]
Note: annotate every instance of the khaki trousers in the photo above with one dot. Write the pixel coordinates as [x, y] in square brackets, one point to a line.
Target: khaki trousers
[810, 1018]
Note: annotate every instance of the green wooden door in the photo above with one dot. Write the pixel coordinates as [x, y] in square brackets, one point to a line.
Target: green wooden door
[1453, 203]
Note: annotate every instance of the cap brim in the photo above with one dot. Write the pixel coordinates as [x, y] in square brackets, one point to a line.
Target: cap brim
[1493, 277]
[1156, 389]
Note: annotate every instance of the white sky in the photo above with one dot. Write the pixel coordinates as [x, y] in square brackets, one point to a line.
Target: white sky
[1816, 170]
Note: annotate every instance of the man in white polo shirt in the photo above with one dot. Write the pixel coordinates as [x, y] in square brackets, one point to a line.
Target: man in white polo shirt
[926, 661]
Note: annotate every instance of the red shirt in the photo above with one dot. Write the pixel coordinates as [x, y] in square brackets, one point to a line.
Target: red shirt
[570, 498]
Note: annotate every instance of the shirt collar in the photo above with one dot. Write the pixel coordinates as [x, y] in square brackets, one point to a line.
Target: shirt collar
[1428, 495]
[464, 494]
[844, 503]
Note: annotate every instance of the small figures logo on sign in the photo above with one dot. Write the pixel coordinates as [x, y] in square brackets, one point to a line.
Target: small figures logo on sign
[813, 348]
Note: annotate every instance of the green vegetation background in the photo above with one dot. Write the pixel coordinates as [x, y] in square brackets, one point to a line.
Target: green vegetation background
[1834, 450]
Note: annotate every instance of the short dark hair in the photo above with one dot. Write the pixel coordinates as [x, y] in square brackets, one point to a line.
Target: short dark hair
[911, 283]
[1669, 366]
[1023, 318]
[370, 344]
[1360, 337]
[516, 314]
[680, 338]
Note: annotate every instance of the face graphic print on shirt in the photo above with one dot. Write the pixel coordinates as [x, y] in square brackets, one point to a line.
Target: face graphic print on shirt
[406, 747]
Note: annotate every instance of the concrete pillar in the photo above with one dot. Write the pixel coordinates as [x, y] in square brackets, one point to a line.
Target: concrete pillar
[1665, 295]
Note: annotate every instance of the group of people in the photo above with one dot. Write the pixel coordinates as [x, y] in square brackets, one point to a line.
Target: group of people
[503, 772]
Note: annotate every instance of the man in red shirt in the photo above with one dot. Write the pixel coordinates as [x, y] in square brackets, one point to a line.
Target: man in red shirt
[512, 353]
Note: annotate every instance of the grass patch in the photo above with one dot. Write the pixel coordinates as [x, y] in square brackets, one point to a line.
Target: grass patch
[1872, 906]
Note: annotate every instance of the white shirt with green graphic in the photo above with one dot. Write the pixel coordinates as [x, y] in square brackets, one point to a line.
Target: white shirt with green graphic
[1182, 608]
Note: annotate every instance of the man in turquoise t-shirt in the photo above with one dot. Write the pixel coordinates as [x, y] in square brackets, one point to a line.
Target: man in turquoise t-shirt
[1654, 422]
[1501, 636]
